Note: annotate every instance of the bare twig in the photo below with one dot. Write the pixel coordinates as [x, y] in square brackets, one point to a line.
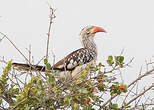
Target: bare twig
[132, 100]
[15, 47]
[53, 57]
[3, 60]
[140, 77]
[133, 87]
[31, 66]
[140, 107]
[29, 53]
[52, 16]
[40, 60]
[118, 67]
[7, 98]
[108, 101]
[129, 93]
[122, 51]
[2, 38]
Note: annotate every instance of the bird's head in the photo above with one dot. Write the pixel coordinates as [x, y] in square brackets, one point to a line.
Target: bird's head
[90, 31]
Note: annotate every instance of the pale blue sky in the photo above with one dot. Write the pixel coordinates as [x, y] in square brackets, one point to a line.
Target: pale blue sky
[129, 23]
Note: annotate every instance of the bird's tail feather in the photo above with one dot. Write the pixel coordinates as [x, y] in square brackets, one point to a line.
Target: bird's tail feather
[27, 67]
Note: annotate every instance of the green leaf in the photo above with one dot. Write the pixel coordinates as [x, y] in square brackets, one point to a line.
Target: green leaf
[110, 60]
[89, 107]
[8, 67]
[16, 91]
[113, 106]
[66, 101]
[152, 108]
[84, 107]
[34, 80]
[45, 61]
[100, 65]
[54, 88]
[48, 66]
[75, 106]
[126, 106]
[4, 78]
[119, 60]
[102, 87]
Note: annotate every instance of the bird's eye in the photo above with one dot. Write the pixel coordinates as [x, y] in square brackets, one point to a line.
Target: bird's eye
[88, 32]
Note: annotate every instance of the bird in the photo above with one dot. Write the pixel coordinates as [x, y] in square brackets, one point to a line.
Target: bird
[73, 63]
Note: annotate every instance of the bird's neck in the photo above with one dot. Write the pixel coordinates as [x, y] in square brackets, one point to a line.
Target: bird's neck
[88, 42]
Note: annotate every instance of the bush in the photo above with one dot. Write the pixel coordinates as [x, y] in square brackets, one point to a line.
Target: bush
[95, 88]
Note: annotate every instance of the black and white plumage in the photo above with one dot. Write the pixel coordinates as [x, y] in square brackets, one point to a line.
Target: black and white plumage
[76, 58]
[70, 65]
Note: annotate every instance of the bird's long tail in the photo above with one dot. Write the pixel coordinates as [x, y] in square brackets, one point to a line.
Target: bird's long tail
[27, 67]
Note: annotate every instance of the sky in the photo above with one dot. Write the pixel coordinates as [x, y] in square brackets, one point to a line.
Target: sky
[129, 25]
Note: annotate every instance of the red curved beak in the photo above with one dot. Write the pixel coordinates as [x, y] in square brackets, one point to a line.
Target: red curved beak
[98, 29]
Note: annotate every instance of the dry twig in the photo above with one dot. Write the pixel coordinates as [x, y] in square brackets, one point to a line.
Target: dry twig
[5, 36]
[133, 82]
[132, 100]
[52, 16]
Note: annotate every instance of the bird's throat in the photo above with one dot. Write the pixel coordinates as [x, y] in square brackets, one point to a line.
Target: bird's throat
[88, 42]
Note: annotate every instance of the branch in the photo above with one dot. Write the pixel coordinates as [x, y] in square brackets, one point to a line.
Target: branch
[140, 77]
[4, 36]
[108, 101]
[2, 108]
[118, 67]
[14, 107]
[8, 98]
[140, 107]
[140, 94]
[133, 87]
[52, 16]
